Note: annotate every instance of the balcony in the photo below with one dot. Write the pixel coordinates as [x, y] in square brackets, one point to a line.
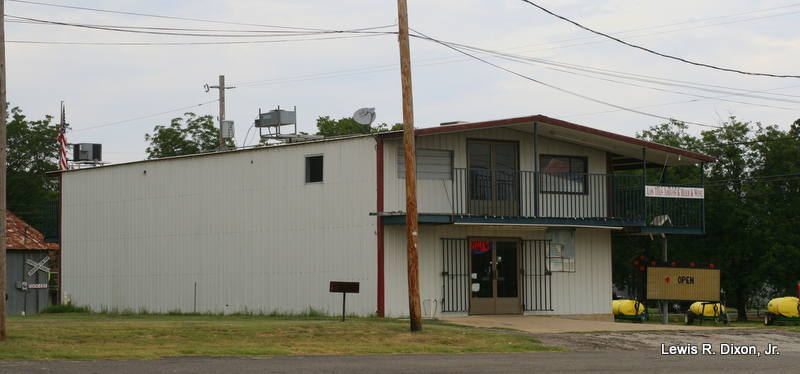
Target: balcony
[50, 222]
[574, 199]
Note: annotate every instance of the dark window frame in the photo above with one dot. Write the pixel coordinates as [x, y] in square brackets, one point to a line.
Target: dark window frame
[315, 168]
[582, 176]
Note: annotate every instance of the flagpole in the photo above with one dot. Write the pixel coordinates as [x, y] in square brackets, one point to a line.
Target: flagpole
[62, 140]
[3, 112]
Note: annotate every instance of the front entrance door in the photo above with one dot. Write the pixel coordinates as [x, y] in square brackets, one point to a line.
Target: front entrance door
[493, 178]
[495, 273]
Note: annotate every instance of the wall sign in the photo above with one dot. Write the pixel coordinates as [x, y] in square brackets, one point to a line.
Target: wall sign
[480, 246]
[674, 192]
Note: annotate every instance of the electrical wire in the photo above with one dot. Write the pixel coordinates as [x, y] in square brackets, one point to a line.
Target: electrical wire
[425, 37]
[160, 16]
[658, 53]
[560, 67]
[148, 116]
[745, 143]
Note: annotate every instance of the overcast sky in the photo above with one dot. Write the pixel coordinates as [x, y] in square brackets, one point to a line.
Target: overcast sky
[123, 67]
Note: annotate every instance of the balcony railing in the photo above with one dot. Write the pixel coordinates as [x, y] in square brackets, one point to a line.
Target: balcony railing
[50, 222]
[526, 194]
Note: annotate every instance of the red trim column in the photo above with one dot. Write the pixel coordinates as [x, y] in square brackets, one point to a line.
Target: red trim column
[381, 275]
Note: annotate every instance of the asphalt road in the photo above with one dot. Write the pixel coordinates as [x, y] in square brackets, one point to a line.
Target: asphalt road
[646, 361]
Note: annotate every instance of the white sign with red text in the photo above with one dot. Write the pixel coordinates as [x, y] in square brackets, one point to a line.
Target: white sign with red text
[675, 192]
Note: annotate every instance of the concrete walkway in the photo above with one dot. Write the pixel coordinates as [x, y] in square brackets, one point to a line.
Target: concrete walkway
[547, 325]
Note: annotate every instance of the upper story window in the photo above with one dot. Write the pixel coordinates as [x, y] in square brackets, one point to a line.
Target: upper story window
[314, 169]
[431, 164]
[563, 174]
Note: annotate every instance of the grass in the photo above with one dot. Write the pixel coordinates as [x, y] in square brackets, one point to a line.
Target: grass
[754, 322]
[83, 336]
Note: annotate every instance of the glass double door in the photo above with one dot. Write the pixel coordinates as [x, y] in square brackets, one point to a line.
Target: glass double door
[493, 178]
[495, 276]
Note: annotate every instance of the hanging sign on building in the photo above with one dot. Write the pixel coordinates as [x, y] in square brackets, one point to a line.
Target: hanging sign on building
[674, 192]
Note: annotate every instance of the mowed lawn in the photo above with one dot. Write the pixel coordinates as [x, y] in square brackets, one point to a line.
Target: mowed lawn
[108, 336]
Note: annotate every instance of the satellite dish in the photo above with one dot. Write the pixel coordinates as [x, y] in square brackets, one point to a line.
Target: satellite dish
[365, 116]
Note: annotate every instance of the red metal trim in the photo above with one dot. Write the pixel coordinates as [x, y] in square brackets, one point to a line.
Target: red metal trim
[552, 121]
[381, 246]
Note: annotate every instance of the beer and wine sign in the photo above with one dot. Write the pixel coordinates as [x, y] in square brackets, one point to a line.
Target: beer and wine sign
[674, 192]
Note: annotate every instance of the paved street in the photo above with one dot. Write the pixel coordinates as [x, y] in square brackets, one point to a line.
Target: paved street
[585, 362]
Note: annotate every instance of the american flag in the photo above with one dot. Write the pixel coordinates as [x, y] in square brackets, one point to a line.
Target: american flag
[62, 140]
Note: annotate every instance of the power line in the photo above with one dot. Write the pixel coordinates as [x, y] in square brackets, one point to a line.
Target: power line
[658, 53]
[425, 37]
[794, 176]
[333, 34]
[754, 196]
[160, 16]
[148, 116]
[745, 143]
[559, 66]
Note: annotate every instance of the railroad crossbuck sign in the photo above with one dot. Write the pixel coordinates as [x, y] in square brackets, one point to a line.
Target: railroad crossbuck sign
[41, 265]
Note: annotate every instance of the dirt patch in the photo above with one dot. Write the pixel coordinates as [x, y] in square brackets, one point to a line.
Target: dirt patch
[719, 342]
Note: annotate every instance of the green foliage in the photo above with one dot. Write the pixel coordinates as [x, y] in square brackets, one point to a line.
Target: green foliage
[101, 336]
[348, 126]
[752, 205]
[32, 151]
[65, 308]
[184, 136]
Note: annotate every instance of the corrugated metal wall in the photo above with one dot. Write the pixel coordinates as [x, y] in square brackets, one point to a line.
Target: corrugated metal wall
[30, 300]
[224, 233]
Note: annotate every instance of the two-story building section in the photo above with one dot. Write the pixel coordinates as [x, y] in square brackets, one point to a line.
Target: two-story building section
[516, 217]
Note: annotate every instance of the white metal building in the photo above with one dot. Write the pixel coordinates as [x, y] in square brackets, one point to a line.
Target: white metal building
[516, 217]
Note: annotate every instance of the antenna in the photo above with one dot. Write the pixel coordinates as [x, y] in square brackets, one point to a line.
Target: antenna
[365, 116]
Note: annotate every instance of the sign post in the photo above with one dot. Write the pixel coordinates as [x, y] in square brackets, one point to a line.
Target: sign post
[344, 288]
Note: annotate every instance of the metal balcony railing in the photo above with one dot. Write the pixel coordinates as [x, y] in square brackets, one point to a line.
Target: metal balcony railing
[527, 194]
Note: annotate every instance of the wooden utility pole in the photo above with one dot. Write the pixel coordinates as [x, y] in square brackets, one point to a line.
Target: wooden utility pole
[222, 88]
[3, 111]
[412, 223]
[221, 110]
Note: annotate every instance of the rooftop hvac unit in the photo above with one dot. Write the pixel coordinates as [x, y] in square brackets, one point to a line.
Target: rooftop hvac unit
[278, 117]
[87, 152]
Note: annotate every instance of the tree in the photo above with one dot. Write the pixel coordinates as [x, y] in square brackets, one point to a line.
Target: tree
[734, 237]
[777, 193]
[200, 135]
[625, 248]
[752, 210]
[32, 151]
[348, 126]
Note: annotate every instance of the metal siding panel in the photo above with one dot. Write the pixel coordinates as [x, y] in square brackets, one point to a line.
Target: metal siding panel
[242, 225]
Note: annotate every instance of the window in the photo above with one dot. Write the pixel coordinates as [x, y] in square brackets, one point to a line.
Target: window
[314, 169]
[563, 174]
[431, 164]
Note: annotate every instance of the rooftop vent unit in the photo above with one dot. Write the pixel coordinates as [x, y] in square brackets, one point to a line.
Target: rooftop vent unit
[87, 152]
[273, 125]
[277, 117]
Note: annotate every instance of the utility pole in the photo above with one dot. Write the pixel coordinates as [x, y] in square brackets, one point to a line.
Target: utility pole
[412, 223]
[3, 111]
[222, 88]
